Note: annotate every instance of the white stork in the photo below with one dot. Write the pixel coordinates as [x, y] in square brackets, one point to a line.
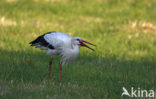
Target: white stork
[62, 44]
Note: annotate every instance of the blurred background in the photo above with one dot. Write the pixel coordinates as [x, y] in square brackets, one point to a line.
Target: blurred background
[123, 30]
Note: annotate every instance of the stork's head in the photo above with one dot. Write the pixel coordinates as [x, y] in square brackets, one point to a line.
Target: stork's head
[78, 41]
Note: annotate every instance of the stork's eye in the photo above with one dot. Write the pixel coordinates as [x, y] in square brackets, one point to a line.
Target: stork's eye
[78, 39]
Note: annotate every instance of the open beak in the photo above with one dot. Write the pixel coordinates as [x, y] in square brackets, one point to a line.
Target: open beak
[82, 43]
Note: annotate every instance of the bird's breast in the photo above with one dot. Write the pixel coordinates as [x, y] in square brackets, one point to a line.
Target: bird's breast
[70, 54]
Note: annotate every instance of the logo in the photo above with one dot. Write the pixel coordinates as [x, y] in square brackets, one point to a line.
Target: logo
[137, 92]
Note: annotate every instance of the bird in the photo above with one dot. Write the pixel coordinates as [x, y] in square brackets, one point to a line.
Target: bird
[60, 44]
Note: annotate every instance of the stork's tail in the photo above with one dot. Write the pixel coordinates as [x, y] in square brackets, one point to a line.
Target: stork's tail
[37, 41]
[40, 42]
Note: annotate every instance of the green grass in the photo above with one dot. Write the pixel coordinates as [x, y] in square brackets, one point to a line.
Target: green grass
[123, 30]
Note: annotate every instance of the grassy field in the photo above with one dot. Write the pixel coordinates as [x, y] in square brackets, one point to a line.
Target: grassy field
[123, 30]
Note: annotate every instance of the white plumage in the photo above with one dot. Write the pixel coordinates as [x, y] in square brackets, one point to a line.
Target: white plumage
[62, 44]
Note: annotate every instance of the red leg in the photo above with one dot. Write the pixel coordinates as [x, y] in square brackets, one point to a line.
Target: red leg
[50, 63]
[61, 72]
[49, 70]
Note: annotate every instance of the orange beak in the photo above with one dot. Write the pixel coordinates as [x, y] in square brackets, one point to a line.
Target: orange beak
[82, 43]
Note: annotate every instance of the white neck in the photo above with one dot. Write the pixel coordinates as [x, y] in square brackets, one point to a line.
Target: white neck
[70, 54]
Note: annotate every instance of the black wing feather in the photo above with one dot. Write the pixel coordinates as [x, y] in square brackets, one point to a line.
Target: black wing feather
[40, 41]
